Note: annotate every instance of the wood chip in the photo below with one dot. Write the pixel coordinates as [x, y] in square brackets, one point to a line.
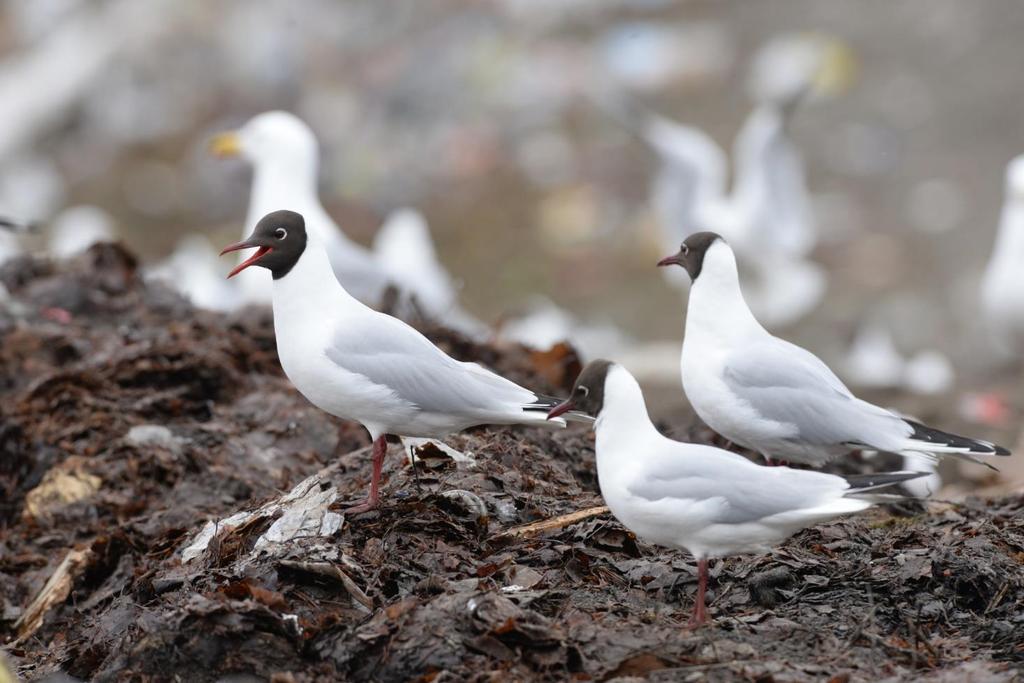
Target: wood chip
[54, 592]
[331, 571]
[558, 522]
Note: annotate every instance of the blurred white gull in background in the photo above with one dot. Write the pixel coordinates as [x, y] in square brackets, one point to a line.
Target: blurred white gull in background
[77, 228]
[41, 84]
[195, 271]
[545, 324]
[874, 362]
[10, 243]
[406, 254]
[1002, 289]
[10, 246]
[285, 158]
[767, 215]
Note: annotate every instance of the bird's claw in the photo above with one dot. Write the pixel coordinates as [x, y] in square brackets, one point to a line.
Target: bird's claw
[365, 506]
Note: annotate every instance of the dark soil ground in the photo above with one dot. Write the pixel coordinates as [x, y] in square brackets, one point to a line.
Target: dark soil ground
[129, 426]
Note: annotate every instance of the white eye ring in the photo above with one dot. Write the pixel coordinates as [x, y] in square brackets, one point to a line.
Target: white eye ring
[583, 390]
[685, 249]
[280, 233]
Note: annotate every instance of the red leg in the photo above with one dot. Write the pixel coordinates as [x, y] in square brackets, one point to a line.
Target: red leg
[700, 611]
[380, 449]
[57, 315]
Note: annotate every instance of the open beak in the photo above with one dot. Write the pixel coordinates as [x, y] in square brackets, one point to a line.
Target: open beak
[562, 408]
[672, 260]
[261, 251]
[226, 145]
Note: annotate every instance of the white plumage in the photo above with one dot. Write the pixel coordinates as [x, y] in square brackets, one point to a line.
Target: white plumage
[705, 500]
[772, 396]
[285, 158]
[405, 251]
[354, 362]
[768, 211]
[358, 364]
[78, 228]
[193, 270]
[1002, 289]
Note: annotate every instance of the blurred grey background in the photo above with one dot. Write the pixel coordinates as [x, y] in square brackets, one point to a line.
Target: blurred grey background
[477, 113]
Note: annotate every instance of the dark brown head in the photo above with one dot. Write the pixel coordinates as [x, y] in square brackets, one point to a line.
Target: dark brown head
[691, 253]
[588, 391]
[279, 239]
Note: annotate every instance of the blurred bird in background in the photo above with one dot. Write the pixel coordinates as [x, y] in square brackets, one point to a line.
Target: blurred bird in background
[285, 158]
[1002, 289]
[482, 125]
[767, 213]
[407, 256]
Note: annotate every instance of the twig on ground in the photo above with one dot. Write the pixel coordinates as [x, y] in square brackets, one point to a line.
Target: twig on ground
[552, 523]
[331, 571]
[54, 591]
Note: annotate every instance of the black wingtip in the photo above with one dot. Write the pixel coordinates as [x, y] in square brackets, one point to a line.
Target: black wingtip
[17, 226]
[929, 435]
[544, 404]
[864, 482]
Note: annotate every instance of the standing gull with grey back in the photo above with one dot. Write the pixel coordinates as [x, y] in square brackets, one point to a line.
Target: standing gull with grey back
[772, 396]
[358, 364]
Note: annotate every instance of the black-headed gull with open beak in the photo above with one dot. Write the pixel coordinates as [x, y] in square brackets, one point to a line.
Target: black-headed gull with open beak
[356, 363]
[772, 396]
[707, 501]
[285, 158]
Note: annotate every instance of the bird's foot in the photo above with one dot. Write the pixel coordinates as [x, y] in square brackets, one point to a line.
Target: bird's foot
[697, 619]
[57, 315]
[365, 506]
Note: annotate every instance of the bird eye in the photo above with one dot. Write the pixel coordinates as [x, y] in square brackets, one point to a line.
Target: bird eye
[280, 233]
[685, 250]
[582, 390]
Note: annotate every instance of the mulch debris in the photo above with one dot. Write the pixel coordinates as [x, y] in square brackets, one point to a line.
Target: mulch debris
[172, 509]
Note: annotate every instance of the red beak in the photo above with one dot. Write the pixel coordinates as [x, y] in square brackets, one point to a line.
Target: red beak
[562, 408]
[672, 260]
[237, 246]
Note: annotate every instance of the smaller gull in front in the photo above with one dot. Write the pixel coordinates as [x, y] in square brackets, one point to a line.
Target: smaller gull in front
[705, 500]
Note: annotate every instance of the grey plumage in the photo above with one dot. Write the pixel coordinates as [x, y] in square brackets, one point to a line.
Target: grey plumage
[393, 355]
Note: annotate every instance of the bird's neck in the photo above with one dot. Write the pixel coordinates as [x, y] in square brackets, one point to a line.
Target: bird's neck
[1009, 247]
[623, 424]
[282, 186]
[310, 291]
[716, 307]
[760, 128]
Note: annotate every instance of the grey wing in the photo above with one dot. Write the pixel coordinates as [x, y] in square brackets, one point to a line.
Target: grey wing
[744, 491]
[392, 354]
[787, 384]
